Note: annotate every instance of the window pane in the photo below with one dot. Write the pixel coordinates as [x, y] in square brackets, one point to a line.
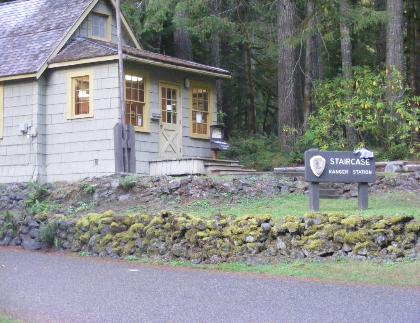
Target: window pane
[81, 95]
[169, 105]
[200, 111]
[99, 25]
[135, 100]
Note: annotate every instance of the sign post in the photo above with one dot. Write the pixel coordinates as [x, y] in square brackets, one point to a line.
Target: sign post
[340, 167]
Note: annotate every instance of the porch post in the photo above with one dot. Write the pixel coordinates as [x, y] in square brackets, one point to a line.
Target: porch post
[121, 84]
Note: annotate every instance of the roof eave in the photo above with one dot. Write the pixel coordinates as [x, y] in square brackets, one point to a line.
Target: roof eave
[84, 61]
[18, 77]
[177, 67]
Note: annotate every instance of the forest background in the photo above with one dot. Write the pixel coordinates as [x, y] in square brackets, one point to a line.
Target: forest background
[332, 74]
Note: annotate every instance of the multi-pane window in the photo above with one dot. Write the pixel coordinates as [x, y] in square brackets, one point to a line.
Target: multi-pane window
[81, 95]
[135, 101]
[200, 111]
[169, 104]
[100, 26]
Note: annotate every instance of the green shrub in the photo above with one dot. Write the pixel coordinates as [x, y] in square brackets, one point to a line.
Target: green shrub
[127, 183]
[11, 221]
[389, 127]
[39, 193]
[41, 208]
[259, 152]
[47, 233]
[88, 188]
[82, 206]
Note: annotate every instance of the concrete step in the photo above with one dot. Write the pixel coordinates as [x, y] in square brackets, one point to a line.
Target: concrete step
[238, 172]
[218, 164]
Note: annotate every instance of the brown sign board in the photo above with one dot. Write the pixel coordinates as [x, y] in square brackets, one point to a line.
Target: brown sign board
[338, 166]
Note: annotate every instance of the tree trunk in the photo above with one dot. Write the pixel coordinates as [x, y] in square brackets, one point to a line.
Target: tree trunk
[215, 61]
[413, 40]
[395, 36]
[411, 44]
[417, 46]
[346, 61]
[287, 59]
[346, 49]
[380, 5]
[394, 46]
[182, 42]
[251, 109]
[312, 62]
[215, 53]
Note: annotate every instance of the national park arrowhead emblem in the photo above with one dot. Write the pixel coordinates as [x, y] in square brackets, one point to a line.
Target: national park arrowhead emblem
[317, 164]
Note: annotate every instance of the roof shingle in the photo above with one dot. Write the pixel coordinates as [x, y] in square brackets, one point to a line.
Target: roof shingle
[83, 48]
[30, 30]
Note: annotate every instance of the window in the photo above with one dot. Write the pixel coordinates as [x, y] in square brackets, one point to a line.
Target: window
[169, 104]
[1, 111]
[135, 101]
[80, 95]
[100, 27]
[200, 112]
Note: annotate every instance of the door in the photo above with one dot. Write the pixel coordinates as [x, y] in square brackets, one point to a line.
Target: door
[170, 121]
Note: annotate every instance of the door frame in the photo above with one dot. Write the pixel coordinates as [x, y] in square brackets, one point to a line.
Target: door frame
[178, 87]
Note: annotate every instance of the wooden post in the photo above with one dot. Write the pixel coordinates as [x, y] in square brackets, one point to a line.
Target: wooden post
[363, 195]
[213, 154]
[314, 197]
[121, 82]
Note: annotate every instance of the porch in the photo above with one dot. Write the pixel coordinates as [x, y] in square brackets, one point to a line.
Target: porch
[197, 166]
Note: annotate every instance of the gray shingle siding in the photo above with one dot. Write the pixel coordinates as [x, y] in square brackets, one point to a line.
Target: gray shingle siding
[73, 145]
[18, 153]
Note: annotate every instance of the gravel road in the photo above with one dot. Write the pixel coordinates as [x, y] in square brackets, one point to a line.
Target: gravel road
[55, 287]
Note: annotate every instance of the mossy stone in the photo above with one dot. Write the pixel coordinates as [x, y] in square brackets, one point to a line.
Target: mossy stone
[400, 219]
[315, 245]
[361, 235]
[413, 226]
[363, 248]
[352, 222]
[395, 251]
[84, 238]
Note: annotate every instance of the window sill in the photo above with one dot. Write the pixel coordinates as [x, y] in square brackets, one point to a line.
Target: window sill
[141, 129]
[107, 39]
[82, 116]
[205, 137]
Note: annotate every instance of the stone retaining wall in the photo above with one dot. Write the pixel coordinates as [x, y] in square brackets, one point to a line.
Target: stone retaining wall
[219, 238]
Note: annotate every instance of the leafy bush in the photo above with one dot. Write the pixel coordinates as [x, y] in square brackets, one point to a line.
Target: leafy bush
[41, 208]
[47, 233]
[11, 222]
[81, 207]
[88, 188]
[259, 152]
[389, 126]
[127, 183]
[39, 193]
